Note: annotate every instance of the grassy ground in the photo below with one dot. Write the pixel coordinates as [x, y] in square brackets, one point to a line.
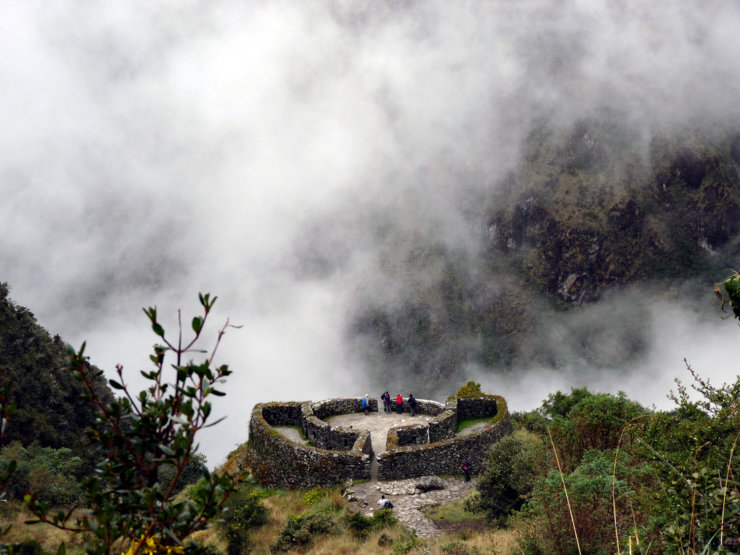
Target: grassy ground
[49, 537]
[468, 533]
[462, 424]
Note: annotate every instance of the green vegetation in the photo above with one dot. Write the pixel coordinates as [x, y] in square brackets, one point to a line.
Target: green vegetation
[591, 209]
[145, 445]
[510, 474]
[35, 379]
[54, 473]
[589, 471]
[361, 525]
[243, 512]
[467, 423]
[457, 512]
[666, 481]
[470, 389]
[301, 529]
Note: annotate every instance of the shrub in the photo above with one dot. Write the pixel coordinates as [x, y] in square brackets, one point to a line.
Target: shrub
[313, 496]
[244, 511]
[191, 474]
[136, 435]
[361, 525]
[548, 528]
[53, 473]
[384, 540]
[406, 543]
[470, 389]
[300, 529]
[509, 476]
[28, 547]
[459, 548]
[472, 502]
[595, 422]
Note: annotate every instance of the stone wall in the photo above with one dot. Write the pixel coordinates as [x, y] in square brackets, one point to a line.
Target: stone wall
[443, 457]
[427, 407]
[476, 407]
[332, 407]
[283, 414]
[340, 453]
[412, 434]
[323, 436]
[443, 426]
[423, 406]
[276, 460]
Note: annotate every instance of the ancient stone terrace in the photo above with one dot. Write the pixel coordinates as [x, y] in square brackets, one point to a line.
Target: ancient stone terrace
[331, 454]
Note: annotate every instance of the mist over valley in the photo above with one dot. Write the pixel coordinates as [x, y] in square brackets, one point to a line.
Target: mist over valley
[384, 195]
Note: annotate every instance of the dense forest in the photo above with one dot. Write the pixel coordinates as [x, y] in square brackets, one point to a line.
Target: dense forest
[34, 368]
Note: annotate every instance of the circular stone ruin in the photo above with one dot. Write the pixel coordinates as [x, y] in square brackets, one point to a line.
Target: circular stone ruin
[332, 454]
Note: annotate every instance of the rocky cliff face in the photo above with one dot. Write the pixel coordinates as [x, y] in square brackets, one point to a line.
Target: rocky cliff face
[589, 210]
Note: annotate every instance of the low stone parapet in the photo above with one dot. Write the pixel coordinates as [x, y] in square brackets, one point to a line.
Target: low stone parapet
[276, 460]
[443, 457]
[282, 414]
[339, 453]
[411, 434]
[324, 436]
[469, 408]
[443, 426]
[333, 407]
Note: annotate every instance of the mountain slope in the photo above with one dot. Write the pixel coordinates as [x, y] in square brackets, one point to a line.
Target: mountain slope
[35, 366]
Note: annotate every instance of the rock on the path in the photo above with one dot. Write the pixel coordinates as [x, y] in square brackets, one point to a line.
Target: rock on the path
[429, 483]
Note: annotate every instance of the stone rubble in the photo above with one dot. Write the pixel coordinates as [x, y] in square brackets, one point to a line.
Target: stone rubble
[407, 500]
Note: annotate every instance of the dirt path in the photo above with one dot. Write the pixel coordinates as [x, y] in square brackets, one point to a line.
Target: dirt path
[406, 498]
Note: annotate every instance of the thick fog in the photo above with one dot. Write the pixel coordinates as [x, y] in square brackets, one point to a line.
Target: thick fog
[150, 150]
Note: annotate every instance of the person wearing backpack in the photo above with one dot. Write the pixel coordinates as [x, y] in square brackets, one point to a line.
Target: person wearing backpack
[412, 404]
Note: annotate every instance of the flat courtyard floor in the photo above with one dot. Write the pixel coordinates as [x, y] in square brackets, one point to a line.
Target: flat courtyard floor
[377, 423]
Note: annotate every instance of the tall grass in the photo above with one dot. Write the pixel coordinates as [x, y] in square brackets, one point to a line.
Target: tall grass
[565, 489]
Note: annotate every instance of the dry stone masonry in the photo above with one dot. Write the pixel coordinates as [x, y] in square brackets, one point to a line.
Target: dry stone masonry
[335, 454]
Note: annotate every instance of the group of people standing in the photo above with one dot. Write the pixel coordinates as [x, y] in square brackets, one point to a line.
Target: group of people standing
[387, 403]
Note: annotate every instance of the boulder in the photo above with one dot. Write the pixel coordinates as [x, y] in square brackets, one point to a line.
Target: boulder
[428, 483]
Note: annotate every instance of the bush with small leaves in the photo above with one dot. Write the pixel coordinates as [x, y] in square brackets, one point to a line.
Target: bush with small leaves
[244, 511]
[470, 389]
[509, 475]
[137, 435]
[459, 548]
[301, 529]
[361, 525]
[407, 543]
[313, 496]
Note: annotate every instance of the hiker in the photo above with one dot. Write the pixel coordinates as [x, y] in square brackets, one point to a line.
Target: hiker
[412, 404]
[365, 403]
[385, 503]
[386, 402]
[399, 404]
[466, 468]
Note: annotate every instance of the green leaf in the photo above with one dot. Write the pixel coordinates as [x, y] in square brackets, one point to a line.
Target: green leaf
[197, 324]
[166, 450]
[159, 330]
[114, 384]
[62, 549]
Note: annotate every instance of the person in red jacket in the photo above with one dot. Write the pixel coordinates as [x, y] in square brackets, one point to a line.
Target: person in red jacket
[399, 404]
